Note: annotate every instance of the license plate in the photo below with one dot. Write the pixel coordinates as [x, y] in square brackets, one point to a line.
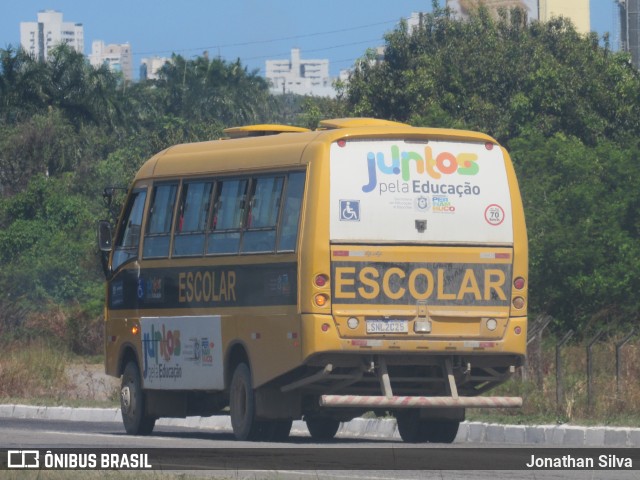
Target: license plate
[387, 326]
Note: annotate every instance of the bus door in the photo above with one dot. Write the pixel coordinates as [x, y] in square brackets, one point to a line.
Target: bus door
[122, 285]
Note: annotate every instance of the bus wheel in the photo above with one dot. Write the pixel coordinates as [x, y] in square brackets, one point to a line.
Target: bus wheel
[410, 427]
[134, 417]
[242, 402]
[442, 431]
[277, 430]
[322, 428]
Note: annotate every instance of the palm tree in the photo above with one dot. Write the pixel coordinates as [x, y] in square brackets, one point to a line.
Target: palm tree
[85, 94]
[204, 90]
[21, 85]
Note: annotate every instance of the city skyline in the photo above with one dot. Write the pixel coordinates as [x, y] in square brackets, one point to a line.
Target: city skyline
[250, 30]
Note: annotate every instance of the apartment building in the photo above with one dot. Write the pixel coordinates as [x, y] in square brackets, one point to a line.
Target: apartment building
[300, 76]
[149, 67]
[117, 57]
[630, 28]
[38, 38]
[578, 11]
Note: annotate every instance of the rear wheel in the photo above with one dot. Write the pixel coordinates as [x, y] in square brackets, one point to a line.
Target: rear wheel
[132, 403]
[442, 431]
[276, 430]
[413, 429]
[322, 428]
[410, 427]
[242, 402]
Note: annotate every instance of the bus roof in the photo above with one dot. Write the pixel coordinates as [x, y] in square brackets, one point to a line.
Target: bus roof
[276, 146]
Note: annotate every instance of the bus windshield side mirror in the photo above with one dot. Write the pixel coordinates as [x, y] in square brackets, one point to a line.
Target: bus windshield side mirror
[105, 237]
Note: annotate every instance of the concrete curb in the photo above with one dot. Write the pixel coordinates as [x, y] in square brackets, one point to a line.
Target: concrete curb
[476, 432]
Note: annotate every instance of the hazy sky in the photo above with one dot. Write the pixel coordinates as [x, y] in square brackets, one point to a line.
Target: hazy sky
[252, 30]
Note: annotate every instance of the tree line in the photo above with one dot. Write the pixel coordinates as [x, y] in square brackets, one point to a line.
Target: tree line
[564, 104]
[566, 107]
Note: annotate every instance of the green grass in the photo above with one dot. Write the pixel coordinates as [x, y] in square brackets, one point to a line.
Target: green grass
[36, 369]
[34, 373]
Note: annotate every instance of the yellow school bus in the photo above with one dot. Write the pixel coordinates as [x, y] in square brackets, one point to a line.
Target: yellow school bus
[284, 274]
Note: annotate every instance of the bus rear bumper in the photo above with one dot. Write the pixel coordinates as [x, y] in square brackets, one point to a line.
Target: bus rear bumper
[418, 402]
[320, 334]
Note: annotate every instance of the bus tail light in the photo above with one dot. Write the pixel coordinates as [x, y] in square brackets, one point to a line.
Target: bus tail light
[519, 283]
[321, 280]
[518, 302]
[321, 299]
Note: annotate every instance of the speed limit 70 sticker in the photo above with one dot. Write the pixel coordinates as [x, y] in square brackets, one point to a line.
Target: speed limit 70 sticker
[494, 214]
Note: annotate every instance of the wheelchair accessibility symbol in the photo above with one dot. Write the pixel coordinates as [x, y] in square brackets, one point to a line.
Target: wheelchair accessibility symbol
[349, 210]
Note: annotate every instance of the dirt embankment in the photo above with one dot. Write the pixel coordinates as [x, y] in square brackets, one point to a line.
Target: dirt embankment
[89, 382]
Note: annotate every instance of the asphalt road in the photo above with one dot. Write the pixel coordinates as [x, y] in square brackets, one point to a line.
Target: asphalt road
[49, 434]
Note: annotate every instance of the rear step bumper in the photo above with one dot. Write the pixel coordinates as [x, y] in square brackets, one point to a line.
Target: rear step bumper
[419, 402]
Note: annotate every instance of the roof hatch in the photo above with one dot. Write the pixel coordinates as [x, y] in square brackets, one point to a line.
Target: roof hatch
[261, 130]
[358, 122]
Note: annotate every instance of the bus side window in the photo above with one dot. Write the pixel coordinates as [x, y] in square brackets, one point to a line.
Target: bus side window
[191, 221]
[228, 215]
[291, 212]
[126, 245]
[158, 234]
[262, 218]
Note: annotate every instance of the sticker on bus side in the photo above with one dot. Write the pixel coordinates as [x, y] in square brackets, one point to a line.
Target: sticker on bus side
[214, 286]
[180, 353]
[419, 192]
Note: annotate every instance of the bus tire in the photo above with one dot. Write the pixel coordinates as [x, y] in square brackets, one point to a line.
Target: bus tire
[132, 403]
[410, 427]
[322, 428]
[242, 402]
[277, 430]
[442, 431]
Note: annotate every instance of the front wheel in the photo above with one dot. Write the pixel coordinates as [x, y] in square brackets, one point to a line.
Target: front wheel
[132, 403]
